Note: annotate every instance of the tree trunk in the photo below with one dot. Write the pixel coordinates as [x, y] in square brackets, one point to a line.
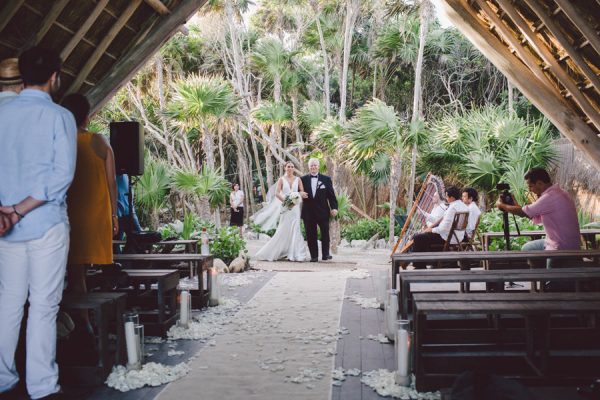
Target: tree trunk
[511, 93]
[326, 94]
[259, 171]
[352, 7]
[395, 176]
[334, 230]
[221, 150]
[425, 12]
[204, 208]
[207, 145]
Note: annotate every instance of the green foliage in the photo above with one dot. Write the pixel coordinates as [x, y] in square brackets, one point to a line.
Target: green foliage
[493, 222]
[258, 229]
[344, 205]
[227, 243]
[190, 228]
[271, 112]
[205, 183]
[364, 229]
[487, 145]
[152, 189]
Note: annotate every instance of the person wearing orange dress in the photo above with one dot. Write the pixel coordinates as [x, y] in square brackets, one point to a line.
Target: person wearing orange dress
[91, 200]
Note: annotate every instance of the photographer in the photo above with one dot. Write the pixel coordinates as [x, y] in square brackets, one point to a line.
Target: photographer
[553, 208]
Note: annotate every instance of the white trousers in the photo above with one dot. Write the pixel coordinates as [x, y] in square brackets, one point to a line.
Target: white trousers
[34, 269]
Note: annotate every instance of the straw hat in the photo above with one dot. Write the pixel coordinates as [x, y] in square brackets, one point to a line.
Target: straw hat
[9, 72]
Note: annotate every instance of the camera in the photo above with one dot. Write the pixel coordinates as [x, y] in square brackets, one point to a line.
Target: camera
[505, 196]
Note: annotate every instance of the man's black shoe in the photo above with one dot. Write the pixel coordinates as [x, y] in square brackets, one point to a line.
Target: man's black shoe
[314, 260]
[325, 258]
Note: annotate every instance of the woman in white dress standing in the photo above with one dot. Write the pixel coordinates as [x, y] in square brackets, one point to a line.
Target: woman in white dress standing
[236, 201]
[287, 242]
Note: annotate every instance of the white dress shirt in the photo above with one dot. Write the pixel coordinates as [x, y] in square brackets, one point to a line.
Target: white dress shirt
[474, 213]
[443, 229]
[313, 184]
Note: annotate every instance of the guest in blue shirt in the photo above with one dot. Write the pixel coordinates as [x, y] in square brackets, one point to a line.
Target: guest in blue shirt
[125, 217]
[37, 160]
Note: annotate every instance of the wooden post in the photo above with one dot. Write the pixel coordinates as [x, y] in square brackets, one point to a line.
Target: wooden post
[85, 27]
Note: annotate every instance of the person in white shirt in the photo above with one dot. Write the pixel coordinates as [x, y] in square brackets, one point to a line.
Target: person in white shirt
[438, 235]
[11, 82]
[470, 197]
[437, 212]
[236, 201]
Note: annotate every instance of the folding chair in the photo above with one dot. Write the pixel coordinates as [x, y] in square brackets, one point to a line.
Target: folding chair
[470, 243]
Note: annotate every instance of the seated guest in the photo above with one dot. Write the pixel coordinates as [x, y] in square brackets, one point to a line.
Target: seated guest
[553, 208]
[91, 201]
[470, 197]
[11, 83]
[438, 235]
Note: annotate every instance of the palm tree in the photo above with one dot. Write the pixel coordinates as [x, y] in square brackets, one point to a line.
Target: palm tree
[352, 10]
[208, 189]
[152, 190]
[200, 101]
[273, 115]
[377, 130]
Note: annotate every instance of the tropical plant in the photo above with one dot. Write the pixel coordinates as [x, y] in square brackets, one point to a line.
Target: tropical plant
[152, 190]
[227, 244]
[208, 188]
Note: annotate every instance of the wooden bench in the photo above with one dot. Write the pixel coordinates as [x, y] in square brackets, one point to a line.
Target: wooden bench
[157, 307]
[406, 278]
[469, 259]
[105, 307]
[197, 265]
[538, 351]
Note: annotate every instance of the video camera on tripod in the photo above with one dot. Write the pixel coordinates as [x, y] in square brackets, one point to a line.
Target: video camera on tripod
[506, 198]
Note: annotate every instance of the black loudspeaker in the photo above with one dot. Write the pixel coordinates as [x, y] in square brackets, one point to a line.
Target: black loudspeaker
[127, 142]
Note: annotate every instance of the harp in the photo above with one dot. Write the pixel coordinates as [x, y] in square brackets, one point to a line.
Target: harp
[416, 220]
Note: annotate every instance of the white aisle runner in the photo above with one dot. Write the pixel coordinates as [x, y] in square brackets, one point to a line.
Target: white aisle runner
[281, 345]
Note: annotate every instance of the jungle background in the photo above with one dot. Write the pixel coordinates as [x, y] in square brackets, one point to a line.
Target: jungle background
[380, 91]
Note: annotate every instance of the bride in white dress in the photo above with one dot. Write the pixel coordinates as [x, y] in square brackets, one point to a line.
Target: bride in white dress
[287, 242]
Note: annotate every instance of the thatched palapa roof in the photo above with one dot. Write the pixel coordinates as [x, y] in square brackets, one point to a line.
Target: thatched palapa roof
[550, 50]
[102, 42]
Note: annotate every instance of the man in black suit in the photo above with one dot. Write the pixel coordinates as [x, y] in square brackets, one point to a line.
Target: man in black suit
[319, 203]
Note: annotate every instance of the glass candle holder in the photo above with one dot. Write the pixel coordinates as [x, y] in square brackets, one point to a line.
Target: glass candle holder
[391, 315]
[132, 344]
[131, 316]
[214, 295]
[185, 306]
[382, 288]
[403, 350]
[139, 333]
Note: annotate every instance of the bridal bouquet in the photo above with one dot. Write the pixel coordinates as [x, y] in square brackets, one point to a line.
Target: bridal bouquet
[290, 201]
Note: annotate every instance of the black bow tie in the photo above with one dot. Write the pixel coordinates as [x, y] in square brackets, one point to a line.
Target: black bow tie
[313, 176]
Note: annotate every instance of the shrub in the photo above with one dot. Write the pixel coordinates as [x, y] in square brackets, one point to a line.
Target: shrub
[227, 244]
[364, 229]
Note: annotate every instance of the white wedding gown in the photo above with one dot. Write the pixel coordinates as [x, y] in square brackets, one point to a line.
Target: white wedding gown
[287, 242]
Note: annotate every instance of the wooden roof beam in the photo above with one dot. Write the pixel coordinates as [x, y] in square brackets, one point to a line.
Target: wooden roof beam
[565, 43]
[9, 10]
[543, 51]
[547, 101]
[586, 30]
[85, 27]
[525, 56]
[46, 24]
[158, 6]
[141, 52]
[103, 45]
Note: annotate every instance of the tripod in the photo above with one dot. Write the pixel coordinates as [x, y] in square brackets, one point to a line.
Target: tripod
[506, 228]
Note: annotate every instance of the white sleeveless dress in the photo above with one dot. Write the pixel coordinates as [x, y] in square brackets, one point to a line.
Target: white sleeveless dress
[287, 242]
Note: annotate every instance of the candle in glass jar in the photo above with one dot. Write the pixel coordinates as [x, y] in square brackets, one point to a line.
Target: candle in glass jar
[130, 342]
[184, 310]
[391, 314]
[402, 345]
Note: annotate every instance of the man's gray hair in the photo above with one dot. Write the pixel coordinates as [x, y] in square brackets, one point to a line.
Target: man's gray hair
[314, 161]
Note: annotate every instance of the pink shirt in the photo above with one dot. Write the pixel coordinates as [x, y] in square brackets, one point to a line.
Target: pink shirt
[556, 211]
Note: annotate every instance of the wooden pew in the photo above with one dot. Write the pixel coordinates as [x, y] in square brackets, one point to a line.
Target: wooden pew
[106, 307]
[469, 259]
[537, 351]
[188, 264]
[577, 275]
